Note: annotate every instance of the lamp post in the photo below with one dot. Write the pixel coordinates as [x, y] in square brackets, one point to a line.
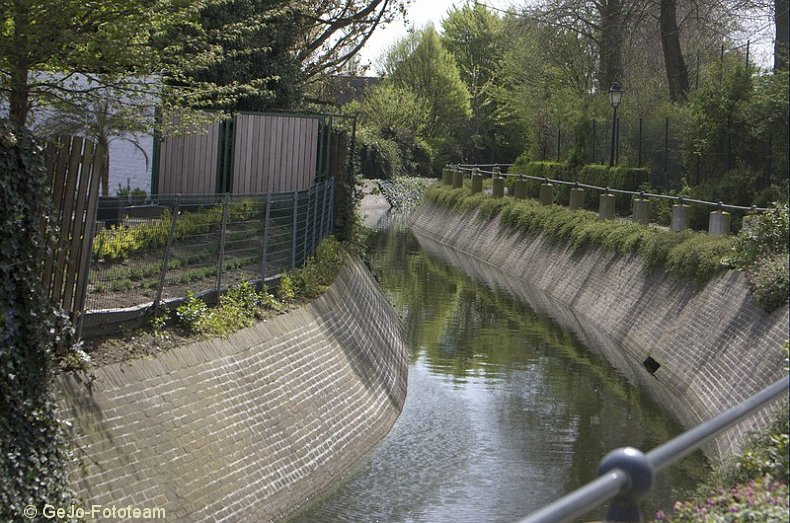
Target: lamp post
[615, 93]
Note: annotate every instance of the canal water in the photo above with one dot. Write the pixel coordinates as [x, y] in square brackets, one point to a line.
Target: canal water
[505, 411]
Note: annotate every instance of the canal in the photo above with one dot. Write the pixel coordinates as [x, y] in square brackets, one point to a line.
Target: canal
[505, 411]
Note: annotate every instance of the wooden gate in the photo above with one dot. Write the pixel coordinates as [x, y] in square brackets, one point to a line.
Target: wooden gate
[73, 172]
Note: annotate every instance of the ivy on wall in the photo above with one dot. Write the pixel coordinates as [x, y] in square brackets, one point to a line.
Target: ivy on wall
[33, 450]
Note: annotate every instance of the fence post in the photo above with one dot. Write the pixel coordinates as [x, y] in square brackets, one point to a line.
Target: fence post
[498, 186]
[546, 196]
[680, 218]
[559, 141]
[719, 222]
[306, 225]
[477, 181]
[639, 159]
[625, 506]
[592, 160]
[458, 179]
[166, 258]
[521, 188]
[331, 224]
[324, 209]
[222, 230]
[666, 153]
[265, 238]
[576, 198]
[315, 218]
[293, 231]
[641, 210]
[606, 206]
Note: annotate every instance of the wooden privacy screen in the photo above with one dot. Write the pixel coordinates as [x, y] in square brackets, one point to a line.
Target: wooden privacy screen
[188, 164]
[248, 154]
[73, 171]
[274, 153]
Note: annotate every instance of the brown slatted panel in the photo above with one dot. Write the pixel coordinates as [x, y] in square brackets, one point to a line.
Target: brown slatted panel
[62, 255]
[267, 154]
[260, 180]
[88, 228]
[76, 227]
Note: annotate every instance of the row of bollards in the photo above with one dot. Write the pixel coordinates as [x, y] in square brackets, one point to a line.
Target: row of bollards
[718, 224]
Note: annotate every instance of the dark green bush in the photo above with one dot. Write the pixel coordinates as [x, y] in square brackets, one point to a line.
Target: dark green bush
[378, 157]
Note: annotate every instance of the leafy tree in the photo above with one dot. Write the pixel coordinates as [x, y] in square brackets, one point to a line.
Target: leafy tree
[421, 64]
[256, 38]
[473, 35]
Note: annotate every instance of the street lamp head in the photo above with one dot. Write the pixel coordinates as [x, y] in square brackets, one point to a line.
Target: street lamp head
[615, 93]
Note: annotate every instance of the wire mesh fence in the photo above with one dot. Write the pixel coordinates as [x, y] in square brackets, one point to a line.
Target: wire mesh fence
[197, 243]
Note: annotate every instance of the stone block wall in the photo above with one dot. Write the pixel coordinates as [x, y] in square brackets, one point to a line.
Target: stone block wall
[244, 428]
[715, 345]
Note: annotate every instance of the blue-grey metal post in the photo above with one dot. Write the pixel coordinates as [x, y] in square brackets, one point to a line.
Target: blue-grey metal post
[265, 238]
[625, 505]
[222, 233]
[331, 224]
[166, 258]
[324, 209]
[315, 218]
[306, 224]
[293, 229]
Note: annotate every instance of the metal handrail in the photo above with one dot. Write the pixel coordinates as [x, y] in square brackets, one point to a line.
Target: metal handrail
[642, 194]
[626, 474]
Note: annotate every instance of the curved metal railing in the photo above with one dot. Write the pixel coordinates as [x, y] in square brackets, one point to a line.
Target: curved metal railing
[626, 474]
[681, 199]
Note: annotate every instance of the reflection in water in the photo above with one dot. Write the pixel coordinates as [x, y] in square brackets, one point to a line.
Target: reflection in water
[505, 411]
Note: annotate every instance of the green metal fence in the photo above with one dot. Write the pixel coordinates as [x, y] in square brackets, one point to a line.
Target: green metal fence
[200, 243]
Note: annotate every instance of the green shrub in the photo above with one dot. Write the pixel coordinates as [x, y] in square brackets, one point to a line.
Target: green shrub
[285, 290]
[768, 280]
[687, 254]
[237, 309]
[192, 313]
[762, 236]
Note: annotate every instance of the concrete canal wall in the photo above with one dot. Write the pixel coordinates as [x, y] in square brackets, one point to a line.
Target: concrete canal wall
[715, 346]
[248, 427]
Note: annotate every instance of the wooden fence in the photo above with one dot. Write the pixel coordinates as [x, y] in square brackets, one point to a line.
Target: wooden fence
[250, 153]
[73, 171]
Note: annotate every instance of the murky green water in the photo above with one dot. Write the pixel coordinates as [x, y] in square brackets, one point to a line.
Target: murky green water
[505, 412]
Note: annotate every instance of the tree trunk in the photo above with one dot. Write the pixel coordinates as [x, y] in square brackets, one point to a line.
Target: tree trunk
[20, 64]
[611, 46]
[781, 47]
[677, 74]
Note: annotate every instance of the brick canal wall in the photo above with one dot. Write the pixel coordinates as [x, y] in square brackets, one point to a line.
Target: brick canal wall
[716, 347]
[248, 427]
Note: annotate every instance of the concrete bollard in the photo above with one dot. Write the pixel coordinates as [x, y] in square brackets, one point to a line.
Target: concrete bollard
[606, 207]
[546, 193]
[447, 177]
[499, 187]
[577, 198]
[458, 179]
[680, 217]
[719, 223]
[477, 182]
[521, 189]
[641, 211]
